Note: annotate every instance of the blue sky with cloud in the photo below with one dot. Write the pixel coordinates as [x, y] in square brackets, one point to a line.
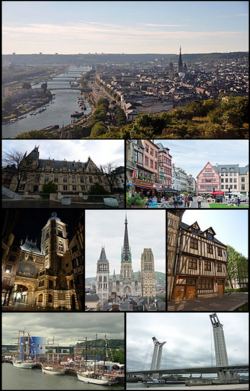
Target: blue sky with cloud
[124, 26]
[100, 151]
[192, 155]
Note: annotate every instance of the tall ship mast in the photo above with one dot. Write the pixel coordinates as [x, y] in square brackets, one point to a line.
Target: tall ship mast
[23, 353]
[93, 377]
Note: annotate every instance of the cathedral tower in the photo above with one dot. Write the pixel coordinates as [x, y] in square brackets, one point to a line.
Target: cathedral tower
[102, 276]
[148, 273]
[127, 275]
[180, 63]
[54, 243]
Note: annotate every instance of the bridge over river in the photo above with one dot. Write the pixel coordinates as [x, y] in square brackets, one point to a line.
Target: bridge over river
[193, 370]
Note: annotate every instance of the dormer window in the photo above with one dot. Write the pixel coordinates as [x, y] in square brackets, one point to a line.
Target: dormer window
[209, 236]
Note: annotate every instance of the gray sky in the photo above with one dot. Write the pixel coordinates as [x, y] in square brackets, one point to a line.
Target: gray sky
[146, 229]
[66, 328]
[225, 223]
[188, 338]
[192, 155]
[100, 151]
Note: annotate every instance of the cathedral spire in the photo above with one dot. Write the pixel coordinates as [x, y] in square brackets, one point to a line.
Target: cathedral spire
[180, 63]
[126, 255]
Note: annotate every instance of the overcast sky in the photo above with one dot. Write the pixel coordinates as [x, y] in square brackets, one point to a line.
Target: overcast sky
[146, 229]
[124, 26]
[192, 155]
[188, 338]
[66, 328]
[231, 226]
[100, 151]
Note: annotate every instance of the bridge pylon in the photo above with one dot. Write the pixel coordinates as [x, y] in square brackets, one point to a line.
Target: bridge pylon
[157, 355]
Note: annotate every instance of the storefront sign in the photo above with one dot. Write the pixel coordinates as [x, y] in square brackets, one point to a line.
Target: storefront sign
[140, 182]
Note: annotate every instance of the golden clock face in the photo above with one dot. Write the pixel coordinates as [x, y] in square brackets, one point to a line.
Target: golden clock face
[27, 268]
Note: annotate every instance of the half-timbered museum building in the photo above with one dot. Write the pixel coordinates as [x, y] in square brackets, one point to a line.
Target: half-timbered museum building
[199, 267]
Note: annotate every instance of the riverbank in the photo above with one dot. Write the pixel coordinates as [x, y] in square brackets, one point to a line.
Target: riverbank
[207, 388]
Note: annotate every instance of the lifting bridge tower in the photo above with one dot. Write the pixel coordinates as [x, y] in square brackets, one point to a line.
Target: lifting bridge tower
[224, 375]
[219, 341]
[157, 354]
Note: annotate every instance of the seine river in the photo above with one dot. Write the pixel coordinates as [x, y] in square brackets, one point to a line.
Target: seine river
[58, 112]
[33, 379]
[152, 386]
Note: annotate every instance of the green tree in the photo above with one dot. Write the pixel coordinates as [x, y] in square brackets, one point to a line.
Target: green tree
[44, 86]
[26, 85]
[237, 266]
[97, 189]
[7, 105]
[49, 187]
[98, 129]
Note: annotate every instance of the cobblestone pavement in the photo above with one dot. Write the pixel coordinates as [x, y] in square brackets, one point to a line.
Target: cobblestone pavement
[25, 307]
[220, 303]
[52, 204]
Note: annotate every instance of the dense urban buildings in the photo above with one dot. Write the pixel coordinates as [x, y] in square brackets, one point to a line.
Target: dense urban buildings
[227, 178]
[150, 171]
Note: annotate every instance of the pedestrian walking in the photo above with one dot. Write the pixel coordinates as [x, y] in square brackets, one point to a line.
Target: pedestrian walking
[185, 201]
[199, 199]
[175, 201]
[238, 201]
[190, 199]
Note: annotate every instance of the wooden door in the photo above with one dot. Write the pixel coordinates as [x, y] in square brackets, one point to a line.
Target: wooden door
[190, 291]
[179, 292]
[220, 289]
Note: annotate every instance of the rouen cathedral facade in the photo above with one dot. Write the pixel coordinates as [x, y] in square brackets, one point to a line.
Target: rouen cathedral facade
[145, 285]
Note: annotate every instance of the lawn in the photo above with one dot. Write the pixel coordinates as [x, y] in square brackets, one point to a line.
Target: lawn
[221, 206]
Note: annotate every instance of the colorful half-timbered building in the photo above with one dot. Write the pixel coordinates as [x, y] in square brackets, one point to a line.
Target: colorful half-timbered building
[200, 267]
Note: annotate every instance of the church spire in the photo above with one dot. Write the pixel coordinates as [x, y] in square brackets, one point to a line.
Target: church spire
[126, 255]
[180, 63]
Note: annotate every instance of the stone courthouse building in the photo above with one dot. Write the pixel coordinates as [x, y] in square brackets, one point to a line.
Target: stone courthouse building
[68, 177]
[197, 261]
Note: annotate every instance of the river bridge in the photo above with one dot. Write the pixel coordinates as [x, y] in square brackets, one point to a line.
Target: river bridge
[193, 370]
[64, 88]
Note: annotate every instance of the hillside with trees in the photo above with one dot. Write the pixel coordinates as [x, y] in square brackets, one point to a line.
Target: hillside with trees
[226, 118]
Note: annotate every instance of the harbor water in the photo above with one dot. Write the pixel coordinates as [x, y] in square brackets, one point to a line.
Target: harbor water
[33, 379]
[152, 386]
[58, 112]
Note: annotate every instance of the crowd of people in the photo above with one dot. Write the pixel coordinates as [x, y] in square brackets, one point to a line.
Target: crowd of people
[181, 200]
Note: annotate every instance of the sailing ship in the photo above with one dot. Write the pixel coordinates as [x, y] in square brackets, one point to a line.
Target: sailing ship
[94, 377]
[53, 369]
[25, 362]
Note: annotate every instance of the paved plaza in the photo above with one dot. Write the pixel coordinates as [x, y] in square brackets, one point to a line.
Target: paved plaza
[221, 303]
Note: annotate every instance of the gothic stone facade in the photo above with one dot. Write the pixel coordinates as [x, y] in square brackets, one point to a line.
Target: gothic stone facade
[200, 268]
[46, 273]
[69, 177]
[127, 285]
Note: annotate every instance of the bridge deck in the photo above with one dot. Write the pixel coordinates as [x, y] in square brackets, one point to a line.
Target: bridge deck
[199, 370]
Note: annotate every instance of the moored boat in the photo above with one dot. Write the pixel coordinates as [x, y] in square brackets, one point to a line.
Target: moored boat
[24, 364]
[76, 114]
[53, 370]
[94, 378]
